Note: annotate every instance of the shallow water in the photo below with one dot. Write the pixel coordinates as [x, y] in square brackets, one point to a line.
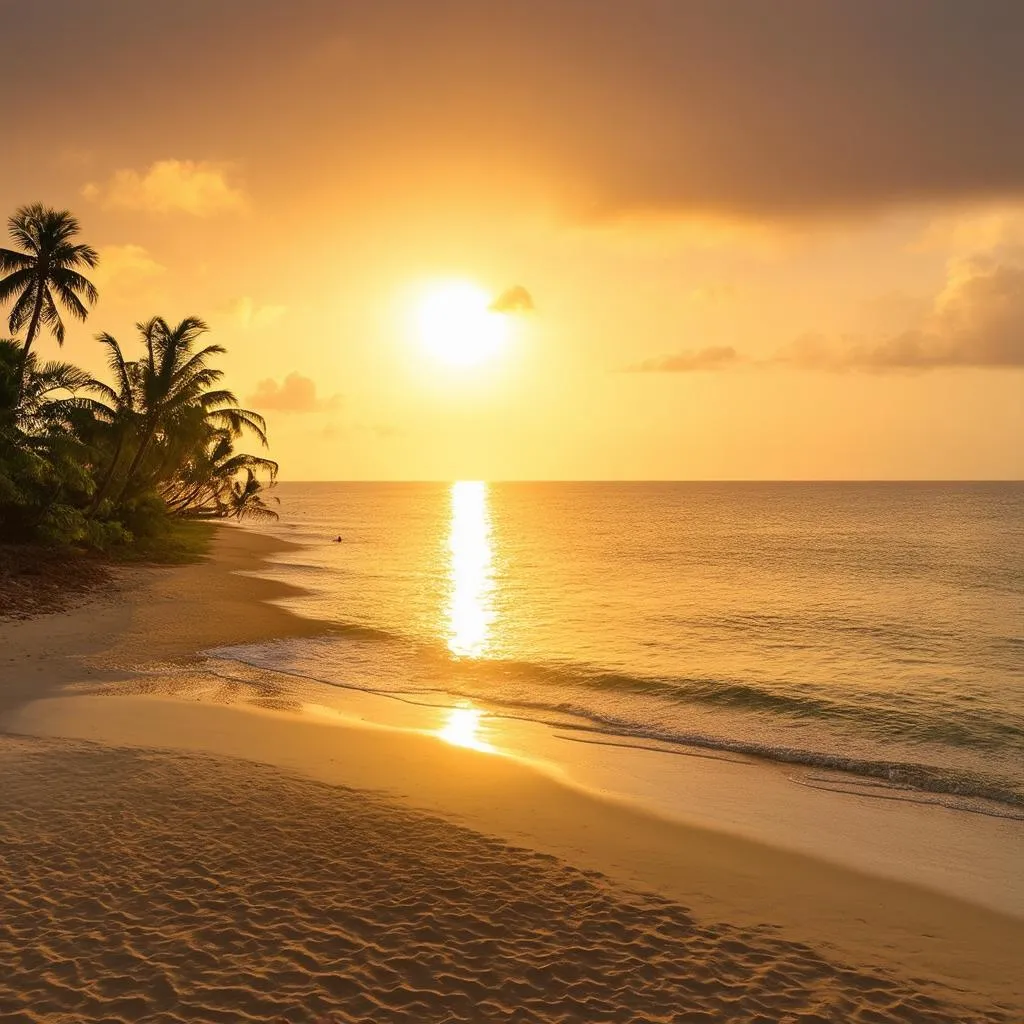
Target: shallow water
[874, 628]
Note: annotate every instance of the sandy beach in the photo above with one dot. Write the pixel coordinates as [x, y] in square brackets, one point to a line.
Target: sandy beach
[179, 851]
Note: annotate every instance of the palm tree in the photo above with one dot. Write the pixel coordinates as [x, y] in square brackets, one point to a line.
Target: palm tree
[44, 439]
[45, 274]
[245, 500]
[51, 391]
[121, 415]
[165, 391]
[208, 481]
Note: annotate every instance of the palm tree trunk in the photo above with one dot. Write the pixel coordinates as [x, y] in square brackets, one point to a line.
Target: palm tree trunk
[101, 491]
[144, 441]
[33, 327]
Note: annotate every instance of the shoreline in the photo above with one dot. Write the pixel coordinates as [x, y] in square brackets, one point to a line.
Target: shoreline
[152, 614]
[965, 852]
[179, 612]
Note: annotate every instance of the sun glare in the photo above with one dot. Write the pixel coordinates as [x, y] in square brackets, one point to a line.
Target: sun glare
[470, 610]
[457, 325]
[462, 728]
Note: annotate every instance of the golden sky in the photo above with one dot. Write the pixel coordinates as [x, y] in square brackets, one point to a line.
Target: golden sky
[776, 240]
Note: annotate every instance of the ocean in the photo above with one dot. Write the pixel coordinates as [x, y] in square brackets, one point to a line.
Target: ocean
[875, 629]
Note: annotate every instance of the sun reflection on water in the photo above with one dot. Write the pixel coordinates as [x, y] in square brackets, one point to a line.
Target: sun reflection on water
[470, 568]
[462, 728]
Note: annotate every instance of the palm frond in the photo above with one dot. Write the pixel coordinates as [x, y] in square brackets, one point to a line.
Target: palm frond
[100, 410]
[71, 282]
[239, 420]
[51, 317]
[197, 361]
[118, 366]
[221, 397]
[70, 300]
[242, 461]
[10, 260]
[65, 376]
[79, 255]
[21, 312]
[16, 282]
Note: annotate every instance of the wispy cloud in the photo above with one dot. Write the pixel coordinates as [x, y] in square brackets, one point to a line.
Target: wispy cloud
[125, 266]
[975, 321]
[199, 188]
[979, 227]
[246, 313]
[714, 357]
[295, 393]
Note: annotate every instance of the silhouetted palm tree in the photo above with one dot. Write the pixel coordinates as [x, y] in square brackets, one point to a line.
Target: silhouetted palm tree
[119, 413]
[44, 275]
[245, 499]
[51, 391]
[44, 430]
[165, 391]
[204, 483]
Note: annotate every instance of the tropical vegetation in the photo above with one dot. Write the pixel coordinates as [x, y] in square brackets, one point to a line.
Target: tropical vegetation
[111, 463]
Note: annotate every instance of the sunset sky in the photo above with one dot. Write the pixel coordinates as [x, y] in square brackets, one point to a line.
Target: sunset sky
[777, 240]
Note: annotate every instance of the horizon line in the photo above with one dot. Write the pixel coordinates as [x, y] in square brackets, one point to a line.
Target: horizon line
[667, 480]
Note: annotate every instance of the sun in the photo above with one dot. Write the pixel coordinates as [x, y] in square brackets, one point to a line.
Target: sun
[457, 326]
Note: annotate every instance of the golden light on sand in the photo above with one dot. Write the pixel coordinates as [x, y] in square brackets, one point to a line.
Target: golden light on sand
[462, 728]
[470, 608]
[457, 325]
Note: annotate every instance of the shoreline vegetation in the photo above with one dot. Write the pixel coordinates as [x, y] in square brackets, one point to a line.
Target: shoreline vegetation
[38, 579]
[112, 466]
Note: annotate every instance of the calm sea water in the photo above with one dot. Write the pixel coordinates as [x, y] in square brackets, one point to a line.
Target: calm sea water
[873, 628]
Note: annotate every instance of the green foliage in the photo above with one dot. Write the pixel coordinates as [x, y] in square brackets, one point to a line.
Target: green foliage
[113, 466]
[177, 541]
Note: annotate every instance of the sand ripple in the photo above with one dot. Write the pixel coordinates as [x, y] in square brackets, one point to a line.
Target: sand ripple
[157, 887]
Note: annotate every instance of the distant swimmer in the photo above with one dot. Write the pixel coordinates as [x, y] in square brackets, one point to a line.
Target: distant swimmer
[337, 540]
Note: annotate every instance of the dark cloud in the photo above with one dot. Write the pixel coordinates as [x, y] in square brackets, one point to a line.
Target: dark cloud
[764, 108]
[513, 300]
[294, 394]
[715, 357]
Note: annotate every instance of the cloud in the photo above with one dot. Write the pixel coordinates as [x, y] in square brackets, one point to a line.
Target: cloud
[977, 228]
[195, 187]
[767, 108]
[513, 300]
[977, 320]
[244, 312]
[294, 394]
[125, 266]
[714, 357]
